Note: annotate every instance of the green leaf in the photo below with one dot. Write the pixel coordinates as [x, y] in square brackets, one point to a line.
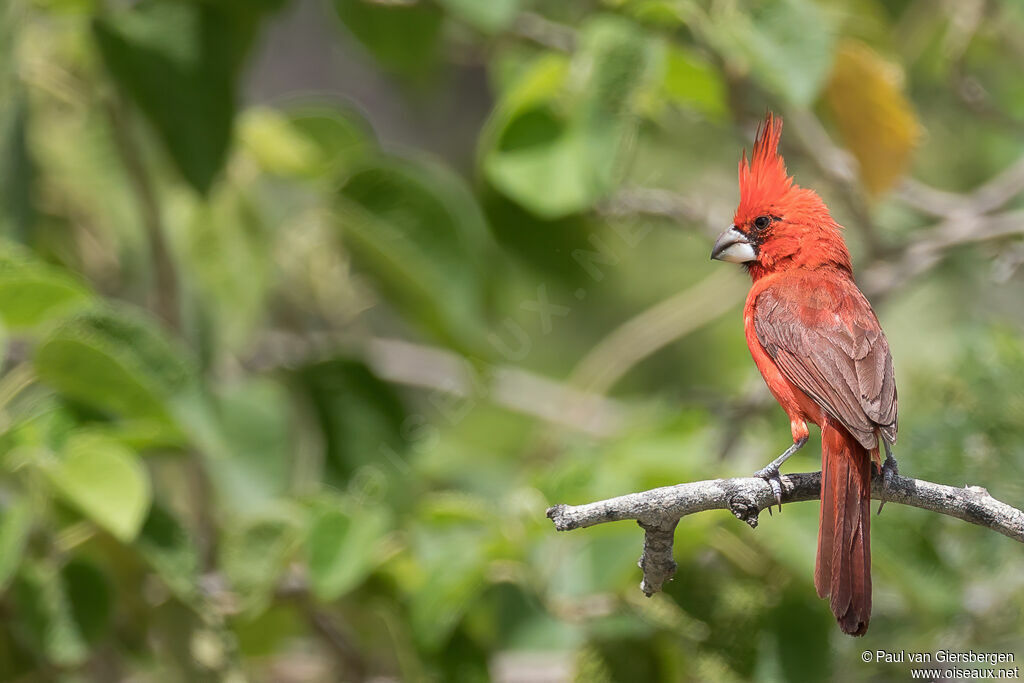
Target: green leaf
[802, 631]
[15, 525]
[342, 138]
[544, 244]
[316, 142]
[403, 37]
[491, 16]
[91, 597]
[116, 361]
[169, 549]
[239, 479]
[540, 164]
[17, 167]
[360, 416]
[62, 612]
[37, 426]
[46, 618]
[659, 13]
[554, 142]
[278, 148]
[179, 61]
[254, 555]
[268, 633]
[256, 423]
[105, 482]
[691, 82]
[455, 575]
[32, 292]
[416, 228]
[786, 44]
[227, 247]
[341, 548]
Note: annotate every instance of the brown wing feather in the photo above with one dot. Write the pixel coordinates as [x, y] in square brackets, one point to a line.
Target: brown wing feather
[825, 338]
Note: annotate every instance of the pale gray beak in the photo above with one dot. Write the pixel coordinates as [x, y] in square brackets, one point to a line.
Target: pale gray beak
[733, 246]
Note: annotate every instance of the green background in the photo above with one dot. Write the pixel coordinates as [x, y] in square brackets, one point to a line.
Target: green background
[310, 309]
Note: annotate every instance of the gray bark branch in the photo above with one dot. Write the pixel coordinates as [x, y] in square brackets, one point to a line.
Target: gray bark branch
[659, 510]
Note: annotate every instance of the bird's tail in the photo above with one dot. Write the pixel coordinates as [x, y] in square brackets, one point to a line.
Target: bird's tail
[843, 568]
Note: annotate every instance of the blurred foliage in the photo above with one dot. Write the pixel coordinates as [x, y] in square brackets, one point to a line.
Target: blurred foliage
[324, 461]
[882, 133]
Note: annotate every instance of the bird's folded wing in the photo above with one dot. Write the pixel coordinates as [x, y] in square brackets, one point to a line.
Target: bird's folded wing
[827, 341]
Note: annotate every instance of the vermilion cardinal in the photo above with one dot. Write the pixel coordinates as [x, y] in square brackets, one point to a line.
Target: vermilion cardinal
[823, 355]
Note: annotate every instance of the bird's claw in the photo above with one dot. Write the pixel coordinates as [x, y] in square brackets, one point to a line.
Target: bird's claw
[889, 472]
[771, 475]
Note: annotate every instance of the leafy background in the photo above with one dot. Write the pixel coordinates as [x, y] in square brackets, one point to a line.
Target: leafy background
[311, 308]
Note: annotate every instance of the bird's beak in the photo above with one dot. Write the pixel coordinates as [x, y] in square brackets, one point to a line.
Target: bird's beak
[733, 246]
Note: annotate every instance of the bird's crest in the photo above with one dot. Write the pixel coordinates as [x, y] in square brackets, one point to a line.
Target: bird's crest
[763, 179]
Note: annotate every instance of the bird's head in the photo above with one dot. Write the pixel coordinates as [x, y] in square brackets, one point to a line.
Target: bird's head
[778, 225]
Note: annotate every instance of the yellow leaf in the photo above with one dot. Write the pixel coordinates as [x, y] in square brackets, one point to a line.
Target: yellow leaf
[274, 143]
[877, 122]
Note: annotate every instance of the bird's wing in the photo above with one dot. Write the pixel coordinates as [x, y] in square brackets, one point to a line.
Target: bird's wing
[826, 340]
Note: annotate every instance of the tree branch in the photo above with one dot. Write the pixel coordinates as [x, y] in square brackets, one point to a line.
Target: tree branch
[992, 195]
[659, 510]
[927, 250]
[656, 327]
[443, 371]
[653, 201]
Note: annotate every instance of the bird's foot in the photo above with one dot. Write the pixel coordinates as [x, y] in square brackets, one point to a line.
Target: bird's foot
[770, 474]
[889, 472]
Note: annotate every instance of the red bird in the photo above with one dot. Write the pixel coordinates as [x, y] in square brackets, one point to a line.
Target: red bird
[823, 355]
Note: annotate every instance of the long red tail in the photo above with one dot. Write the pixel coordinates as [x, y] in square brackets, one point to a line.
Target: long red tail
[843, 567]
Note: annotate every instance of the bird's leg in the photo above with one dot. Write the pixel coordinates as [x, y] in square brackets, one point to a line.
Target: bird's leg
[770, 472]
[889, 470]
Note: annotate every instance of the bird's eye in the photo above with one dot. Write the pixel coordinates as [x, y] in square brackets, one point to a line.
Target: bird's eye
[762, 222]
